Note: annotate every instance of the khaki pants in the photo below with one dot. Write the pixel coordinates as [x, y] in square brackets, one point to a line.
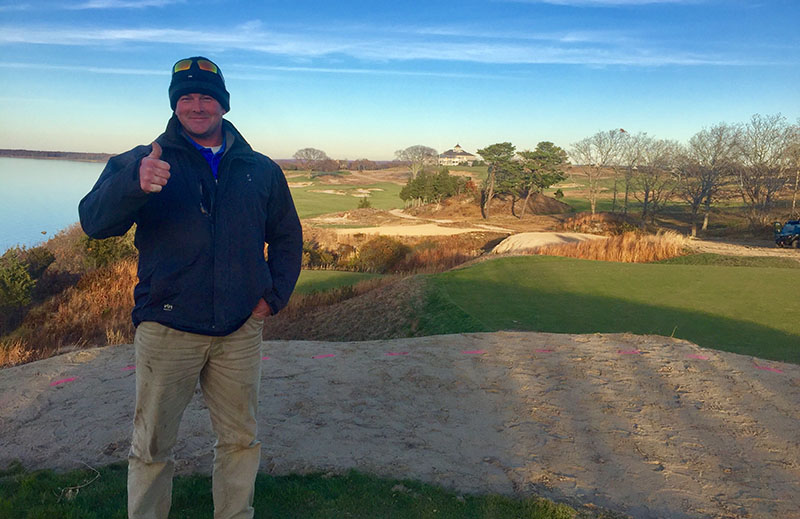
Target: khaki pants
[168, 366]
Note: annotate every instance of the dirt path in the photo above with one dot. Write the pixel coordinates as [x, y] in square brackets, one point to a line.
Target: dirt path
[649, 426]
[747, 248]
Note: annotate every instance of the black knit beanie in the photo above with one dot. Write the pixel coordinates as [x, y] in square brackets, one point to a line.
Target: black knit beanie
[198, 75]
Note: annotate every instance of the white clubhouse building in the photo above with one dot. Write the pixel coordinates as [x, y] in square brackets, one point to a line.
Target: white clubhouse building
[456, 156]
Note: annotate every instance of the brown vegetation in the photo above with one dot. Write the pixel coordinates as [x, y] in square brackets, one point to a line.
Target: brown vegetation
[630, 247]
[325, 249]
[95, 312]
[606, 224]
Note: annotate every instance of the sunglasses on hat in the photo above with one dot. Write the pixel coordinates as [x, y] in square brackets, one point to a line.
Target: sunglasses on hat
[202, 64]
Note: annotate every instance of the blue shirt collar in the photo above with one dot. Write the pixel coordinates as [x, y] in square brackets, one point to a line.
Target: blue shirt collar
[212, 158]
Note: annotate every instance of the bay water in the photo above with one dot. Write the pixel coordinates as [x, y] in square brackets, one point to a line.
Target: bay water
[38, 198]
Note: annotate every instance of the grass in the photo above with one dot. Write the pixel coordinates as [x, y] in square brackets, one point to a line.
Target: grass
[581, 204]
[311, 281]
[42, 494]
[747, 310]
[720, 260]
[310, 203]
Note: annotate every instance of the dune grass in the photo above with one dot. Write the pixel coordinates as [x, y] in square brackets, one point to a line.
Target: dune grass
[741, 309]
[629, 247]
[46, 494]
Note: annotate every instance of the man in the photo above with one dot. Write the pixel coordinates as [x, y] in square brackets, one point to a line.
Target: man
[204, 204]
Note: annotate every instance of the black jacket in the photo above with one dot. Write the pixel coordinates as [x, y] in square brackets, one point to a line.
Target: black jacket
[201, 243]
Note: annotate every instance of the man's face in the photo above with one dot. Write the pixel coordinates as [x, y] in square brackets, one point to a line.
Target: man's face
[201, 117]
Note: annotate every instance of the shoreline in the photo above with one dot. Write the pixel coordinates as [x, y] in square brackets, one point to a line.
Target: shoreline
[73, 156]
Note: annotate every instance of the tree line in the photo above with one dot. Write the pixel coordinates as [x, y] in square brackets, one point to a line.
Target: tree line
[754, 161]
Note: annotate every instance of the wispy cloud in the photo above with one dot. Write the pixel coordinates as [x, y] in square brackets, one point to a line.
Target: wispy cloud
[365, 71]
[380, 46]
[564, 36]
[125, 4]
[15, 7]
[601, 3]
[251, 72]
[81, 68]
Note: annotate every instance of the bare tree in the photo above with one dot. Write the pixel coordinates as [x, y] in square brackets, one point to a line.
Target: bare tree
[630, 156]
[362, 164]
[763, 164]
[593, 154]
[704, 167]
[310, 158]
[417, 157]
[794, 157]
[655, 178]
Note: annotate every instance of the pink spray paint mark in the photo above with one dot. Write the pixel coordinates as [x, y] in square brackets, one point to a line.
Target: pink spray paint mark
[698, 357]
[264, 358]
[543, 351]
[629, 352]
[129, 368]
[473, 352]
[767, 368]
[396, 353]
[327, 356]
[63, 381]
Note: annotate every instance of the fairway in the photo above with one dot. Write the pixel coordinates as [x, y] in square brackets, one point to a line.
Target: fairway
[312, 200]
[748, 310]
[322, 280]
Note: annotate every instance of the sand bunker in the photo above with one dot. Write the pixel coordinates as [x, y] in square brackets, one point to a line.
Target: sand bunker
[426, 229]
[328, 192]
[649, 426]
[526, 241]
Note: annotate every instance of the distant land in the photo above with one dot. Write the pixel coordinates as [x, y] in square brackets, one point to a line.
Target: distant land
[80, 156]
[56, 155]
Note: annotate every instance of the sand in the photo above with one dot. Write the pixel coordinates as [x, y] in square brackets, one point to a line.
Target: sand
[645, 425]
[526, 241]
[423, 229]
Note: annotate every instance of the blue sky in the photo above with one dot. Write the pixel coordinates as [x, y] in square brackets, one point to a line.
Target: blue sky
[365, 78]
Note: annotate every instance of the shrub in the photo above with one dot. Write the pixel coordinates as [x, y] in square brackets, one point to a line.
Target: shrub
[429, 187]
[381, 254]
[608, 224]
[315, 256]
[364, 203]
[16, 283]
[68, 249]
[559, 194]
[37, 259]
[100, 253]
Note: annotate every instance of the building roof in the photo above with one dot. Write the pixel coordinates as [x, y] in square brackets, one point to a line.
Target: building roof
[456, 152]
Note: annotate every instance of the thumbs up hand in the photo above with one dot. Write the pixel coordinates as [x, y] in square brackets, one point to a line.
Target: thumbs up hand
[153, 172]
